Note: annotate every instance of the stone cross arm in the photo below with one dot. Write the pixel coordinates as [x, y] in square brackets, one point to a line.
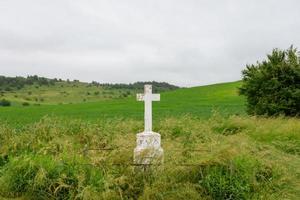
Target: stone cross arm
[153, 97]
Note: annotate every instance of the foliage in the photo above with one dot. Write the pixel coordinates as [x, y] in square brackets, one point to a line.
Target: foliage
[272, 87]
[7, 83]
[61, 159]
[25, 104]
[139, 86]
[5, 103]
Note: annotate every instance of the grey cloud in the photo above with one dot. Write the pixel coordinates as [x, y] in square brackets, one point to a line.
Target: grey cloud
[188, 43]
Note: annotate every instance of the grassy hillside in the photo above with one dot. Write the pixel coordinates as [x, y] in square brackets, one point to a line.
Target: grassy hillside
[63, 93]
[34, 90]
[197, 101]
[221, 158]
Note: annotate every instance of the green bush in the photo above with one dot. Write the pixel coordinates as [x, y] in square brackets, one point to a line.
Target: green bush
[7, 89]
[5, 102]
[272, 87]
[25, 104]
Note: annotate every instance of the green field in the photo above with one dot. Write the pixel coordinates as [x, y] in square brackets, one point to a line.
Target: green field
[197, 101]
[212, 149]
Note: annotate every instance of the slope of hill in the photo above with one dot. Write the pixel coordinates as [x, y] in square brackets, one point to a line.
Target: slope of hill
[63, 93]
[34, 90]
[197, 101]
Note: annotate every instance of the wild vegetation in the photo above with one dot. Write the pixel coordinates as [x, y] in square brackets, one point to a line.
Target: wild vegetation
[139, 86]
[11, 83]
[219, 158]
[272, 87]
[5, 103]
[35, 90]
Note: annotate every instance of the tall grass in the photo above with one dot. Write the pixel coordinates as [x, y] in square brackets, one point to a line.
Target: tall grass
[219, 158]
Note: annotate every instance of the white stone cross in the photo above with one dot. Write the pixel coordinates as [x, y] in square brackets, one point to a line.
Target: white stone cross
[148, 149]
[148, 97]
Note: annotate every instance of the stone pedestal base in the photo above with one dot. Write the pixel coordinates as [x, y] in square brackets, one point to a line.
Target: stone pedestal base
[148, 150]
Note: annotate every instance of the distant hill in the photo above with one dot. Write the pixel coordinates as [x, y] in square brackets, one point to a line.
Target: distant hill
[40, 90]
[10, 83]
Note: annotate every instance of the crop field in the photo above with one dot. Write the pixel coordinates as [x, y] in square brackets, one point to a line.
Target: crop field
[197, 101]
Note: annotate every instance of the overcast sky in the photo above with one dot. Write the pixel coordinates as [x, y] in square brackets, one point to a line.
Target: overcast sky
[184, 42]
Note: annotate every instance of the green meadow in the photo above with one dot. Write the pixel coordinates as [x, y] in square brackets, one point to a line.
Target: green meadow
[196, 101]
[67, 149]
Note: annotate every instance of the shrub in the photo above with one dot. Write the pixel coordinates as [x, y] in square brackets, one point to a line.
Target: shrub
[272, 87]
[3, 160]
[8, 89]
[5, 103]
[25, 104]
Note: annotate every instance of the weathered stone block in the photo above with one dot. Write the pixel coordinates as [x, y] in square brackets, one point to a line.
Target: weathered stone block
[148, 150]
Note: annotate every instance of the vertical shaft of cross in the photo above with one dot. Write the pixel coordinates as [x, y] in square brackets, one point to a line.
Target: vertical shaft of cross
[148, 113]
[148, 108]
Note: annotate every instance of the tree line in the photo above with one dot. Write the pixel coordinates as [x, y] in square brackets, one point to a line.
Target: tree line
[138, 86]
[9, 83]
